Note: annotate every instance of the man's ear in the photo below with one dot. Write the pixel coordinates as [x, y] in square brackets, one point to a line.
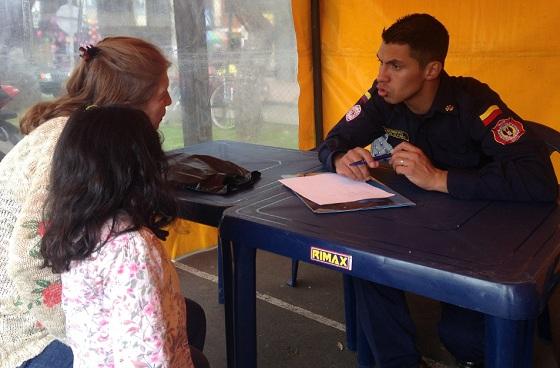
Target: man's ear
[432, 70]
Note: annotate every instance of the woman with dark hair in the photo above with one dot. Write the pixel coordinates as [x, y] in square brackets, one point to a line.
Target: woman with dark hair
[107, 203]
[116, 71]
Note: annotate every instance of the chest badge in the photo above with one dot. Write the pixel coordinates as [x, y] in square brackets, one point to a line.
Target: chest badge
[449, 108]
[398, 134]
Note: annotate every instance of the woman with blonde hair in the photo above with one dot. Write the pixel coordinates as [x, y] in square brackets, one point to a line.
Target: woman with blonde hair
[117, 71]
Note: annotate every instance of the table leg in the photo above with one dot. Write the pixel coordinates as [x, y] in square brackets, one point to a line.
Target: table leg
[509, 343]
[293, 277]
[349, 312]
[225, 265]
[244, 307]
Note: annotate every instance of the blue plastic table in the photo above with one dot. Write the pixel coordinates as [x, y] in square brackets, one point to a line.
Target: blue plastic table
[498, 258]
[272, 162]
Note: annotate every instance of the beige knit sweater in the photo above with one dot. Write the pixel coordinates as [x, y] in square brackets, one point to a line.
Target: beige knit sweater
[30, 313]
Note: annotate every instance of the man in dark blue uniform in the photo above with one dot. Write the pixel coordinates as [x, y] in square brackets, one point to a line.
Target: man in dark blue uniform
[448, 134]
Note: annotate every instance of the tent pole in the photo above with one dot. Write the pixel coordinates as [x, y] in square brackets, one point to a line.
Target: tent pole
[317, 80]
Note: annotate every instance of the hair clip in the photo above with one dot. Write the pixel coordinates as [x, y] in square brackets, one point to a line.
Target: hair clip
[91, 107]
[88, 52]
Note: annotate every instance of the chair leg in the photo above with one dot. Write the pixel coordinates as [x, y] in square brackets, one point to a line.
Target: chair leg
[220, 275]
[554, 328]
[350, 313]
[293, 280]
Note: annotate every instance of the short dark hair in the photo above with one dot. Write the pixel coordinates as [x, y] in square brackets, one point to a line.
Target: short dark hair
[427, 37]
[107, 163]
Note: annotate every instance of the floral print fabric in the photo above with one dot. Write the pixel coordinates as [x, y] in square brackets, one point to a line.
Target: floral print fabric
[124, 307]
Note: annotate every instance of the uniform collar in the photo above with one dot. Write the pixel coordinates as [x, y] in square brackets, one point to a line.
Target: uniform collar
[445, 101]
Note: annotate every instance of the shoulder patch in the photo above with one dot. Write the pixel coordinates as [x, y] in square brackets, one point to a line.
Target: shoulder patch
[353, 112]
[490, 114]
[507, 131]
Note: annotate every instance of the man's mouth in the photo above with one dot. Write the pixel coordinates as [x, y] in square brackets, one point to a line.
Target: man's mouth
[382, 91]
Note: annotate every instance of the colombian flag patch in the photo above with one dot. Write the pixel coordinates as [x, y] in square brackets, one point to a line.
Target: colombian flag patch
[365, 97]
[490, 114]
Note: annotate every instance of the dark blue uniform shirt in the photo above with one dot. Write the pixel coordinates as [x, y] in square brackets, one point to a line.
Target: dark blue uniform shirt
[469, 131]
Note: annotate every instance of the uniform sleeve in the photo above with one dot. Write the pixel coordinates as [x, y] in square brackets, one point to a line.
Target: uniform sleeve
[39, 290]
[357, 128]
[515, 163]
[136, 286]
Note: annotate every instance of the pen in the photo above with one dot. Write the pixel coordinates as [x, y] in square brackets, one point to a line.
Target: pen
[376, 158]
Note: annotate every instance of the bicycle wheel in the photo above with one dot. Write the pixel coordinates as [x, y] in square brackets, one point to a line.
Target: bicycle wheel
[222, 109]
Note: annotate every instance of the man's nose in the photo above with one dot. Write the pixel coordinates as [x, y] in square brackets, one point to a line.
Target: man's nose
[382, 74]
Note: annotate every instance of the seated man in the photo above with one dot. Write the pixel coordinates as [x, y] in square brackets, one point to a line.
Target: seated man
[448, 134]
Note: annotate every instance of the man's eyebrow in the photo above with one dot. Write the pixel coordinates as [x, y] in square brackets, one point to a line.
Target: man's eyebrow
[392, 61]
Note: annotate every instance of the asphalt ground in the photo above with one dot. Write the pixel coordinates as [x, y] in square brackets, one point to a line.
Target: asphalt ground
[304, 326]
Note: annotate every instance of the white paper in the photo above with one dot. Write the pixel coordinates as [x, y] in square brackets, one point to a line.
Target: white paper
[328, 188]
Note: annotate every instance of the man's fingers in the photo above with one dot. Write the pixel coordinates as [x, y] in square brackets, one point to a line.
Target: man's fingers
[355, 164]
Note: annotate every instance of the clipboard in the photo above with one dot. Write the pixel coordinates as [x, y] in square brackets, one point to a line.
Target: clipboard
[397, 200]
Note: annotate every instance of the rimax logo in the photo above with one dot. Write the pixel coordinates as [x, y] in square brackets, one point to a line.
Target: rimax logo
[331, 258]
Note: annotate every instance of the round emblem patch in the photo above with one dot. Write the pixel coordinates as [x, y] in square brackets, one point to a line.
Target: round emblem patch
[353, 112]
[507, 131]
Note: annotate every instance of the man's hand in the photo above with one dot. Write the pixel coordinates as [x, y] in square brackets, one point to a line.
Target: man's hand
[342, 164]
[410, 161]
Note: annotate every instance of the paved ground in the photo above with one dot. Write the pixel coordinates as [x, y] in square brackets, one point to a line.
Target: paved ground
[303, 327]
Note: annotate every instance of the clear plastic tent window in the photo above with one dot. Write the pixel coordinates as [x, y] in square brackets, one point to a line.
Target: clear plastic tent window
[234, 61]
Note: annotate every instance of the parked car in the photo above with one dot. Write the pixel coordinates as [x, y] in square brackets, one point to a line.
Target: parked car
[9, 134]
[51, 81]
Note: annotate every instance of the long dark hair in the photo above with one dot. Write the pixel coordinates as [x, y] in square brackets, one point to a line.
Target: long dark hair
[108, 163]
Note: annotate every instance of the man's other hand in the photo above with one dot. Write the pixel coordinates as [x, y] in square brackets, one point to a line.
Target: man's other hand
[355, 164]
[410, 161]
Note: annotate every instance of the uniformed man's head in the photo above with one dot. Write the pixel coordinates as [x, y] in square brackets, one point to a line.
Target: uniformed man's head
[427, 37]
[411, 59]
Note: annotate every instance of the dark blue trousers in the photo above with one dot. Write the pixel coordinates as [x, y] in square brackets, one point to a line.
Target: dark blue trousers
[387, 335]
[56, 354]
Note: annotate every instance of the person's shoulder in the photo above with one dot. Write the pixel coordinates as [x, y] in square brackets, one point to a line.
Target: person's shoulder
[470, 85]
[131, 243]
[473, 95]
[34, 151]
[53, 124]
[48, 132]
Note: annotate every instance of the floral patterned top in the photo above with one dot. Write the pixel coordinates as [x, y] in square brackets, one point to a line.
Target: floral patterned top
[124, 306]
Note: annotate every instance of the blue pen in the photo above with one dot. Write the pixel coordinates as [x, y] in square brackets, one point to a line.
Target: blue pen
[375, 158]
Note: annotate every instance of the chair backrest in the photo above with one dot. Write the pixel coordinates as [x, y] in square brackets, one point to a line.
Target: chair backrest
[550, 136]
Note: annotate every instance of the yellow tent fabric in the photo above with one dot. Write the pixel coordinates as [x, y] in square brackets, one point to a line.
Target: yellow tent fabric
[510, 45]
[187, 237]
